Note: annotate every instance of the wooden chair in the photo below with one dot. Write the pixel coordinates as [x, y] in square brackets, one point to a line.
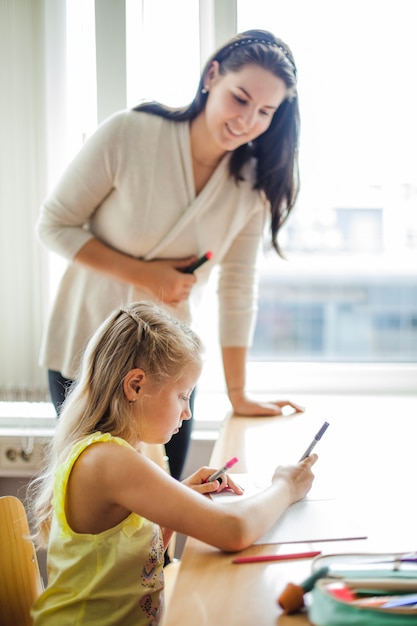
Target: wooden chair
[20, 579]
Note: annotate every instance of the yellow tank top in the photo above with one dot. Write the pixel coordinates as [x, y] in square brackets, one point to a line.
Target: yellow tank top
[112, 578]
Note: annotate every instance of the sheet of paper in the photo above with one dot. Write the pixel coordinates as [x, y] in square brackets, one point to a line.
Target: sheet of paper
[305, 521]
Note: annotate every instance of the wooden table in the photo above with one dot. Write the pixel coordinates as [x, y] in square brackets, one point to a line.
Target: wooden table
[367, 458]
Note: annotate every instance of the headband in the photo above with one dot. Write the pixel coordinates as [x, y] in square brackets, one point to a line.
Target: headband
[247, 41]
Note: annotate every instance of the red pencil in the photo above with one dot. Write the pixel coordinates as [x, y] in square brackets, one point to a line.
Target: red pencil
[262, 558]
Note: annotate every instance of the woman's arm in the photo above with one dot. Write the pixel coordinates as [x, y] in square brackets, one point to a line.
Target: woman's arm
[162, 278]
[90, 217]
[238, 299]
[234, 364]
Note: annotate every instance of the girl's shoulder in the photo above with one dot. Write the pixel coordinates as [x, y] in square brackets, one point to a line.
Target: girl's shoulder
[83, 444]
[91, 461]
[97, 437]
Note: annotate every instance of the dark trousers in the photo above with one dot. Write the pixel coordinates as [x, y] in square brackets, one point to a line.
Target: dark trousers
[176, 449]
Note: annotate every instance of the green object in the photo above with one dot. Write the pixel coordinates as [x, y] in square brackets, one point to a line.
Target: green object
[309, 582]
[327, 610]
[363, 574]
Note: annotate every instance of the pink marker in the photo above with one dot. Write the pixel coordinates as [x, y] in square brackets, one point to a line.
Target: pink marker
[261, 558]
[222, 470]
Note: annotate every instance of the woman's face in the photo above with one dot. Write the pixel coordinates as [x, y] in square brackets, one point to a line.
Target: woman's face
[240, 105]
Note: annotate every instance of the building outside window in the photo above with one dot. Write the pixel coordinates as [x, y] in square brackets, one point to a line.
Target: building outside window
[348, 291]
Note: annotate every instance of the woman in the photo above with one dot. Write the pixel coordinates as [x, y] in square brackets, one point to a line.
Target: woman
[154, 188]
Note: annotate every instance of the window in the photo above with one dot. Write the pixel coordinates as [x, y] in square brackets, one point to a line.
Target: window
[320, 305]
[163, 63]
[349, 289]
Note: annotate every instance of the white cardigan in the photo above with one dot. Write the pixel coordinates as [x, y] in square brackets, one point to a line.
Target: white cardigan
[132, 187]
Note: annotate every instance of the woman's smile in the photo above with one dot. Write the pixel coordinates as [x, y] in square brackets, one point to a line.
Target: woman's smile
[234, 132]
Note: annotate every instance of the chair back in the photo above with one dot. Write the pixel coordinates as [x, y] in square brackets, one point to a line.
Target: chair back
[20, 579]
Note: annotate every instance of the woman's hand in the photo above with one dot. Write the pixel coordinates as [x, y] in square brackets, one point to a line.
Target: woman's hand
[166, 280]
[242, 405]
[197, 482]
[299, 477]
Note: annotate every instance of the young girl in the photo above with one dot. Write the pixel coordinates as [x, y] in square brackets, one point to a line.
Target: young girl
[154, 188]
[106, 511]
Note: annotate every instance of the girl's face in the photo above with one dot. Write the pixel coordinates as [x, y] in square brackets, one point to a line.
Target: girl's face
[240, 105]
[162, 409]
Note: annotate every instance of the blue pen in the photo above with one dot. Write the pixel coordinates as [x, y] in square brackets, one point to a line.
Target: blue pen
[316, 439]
[400, 601]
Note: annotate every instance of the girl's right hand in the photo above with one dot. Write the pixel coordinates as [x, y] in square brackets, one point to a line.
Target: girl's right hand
[197, 481]
[299, 477]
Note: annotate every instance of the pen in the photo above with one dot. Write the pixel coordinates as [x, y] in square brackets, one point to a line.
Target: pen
[191, 268]
[262, 558]
[386, 602]
[400, 601]
[316, 439]
[222, 470]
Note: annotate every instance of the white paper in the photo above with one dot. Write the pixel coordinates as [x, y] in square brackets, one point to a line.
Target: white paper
[305, 521]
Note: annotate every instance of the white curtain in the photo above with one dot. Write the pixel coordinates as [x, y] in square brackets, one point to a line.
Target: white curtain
[24, 274]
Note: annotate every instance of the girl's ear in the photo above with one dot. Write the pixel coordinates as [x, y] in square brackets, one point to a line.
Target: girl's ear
[132, 383]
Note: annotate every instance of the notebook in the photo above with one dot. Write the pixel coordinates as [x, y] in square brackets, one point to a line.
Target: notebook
[310, 519]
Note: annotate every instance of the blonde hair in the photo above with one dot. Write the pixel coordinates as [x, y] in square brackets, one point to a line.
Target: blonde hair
[141, 335]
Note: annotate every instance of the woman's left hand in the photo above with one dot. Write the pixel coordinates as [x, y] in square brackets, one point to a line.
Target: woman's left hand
[197, 482]
[242, 405]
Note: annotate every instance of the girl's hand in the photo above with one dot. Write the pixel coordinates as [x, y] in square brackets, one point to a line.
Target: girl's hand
[197, 482]
[299, 477]
[242, 405]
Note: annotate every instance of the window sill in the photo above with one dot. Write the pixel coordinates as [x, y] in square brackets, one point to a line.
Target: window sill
[295, 381]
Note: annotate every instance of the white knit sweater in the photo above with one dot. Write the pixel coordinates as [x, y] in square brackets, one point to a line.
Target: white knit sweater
[132, 187]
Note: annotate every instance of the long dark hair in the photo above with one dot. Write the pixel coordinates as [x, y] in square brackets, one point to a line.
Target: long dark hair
[276, 150]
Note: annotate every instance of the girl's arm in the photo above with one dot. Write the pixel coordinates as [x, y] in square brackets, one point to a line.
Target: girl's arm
[130, 482]
[230, 527]
[197, 482]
